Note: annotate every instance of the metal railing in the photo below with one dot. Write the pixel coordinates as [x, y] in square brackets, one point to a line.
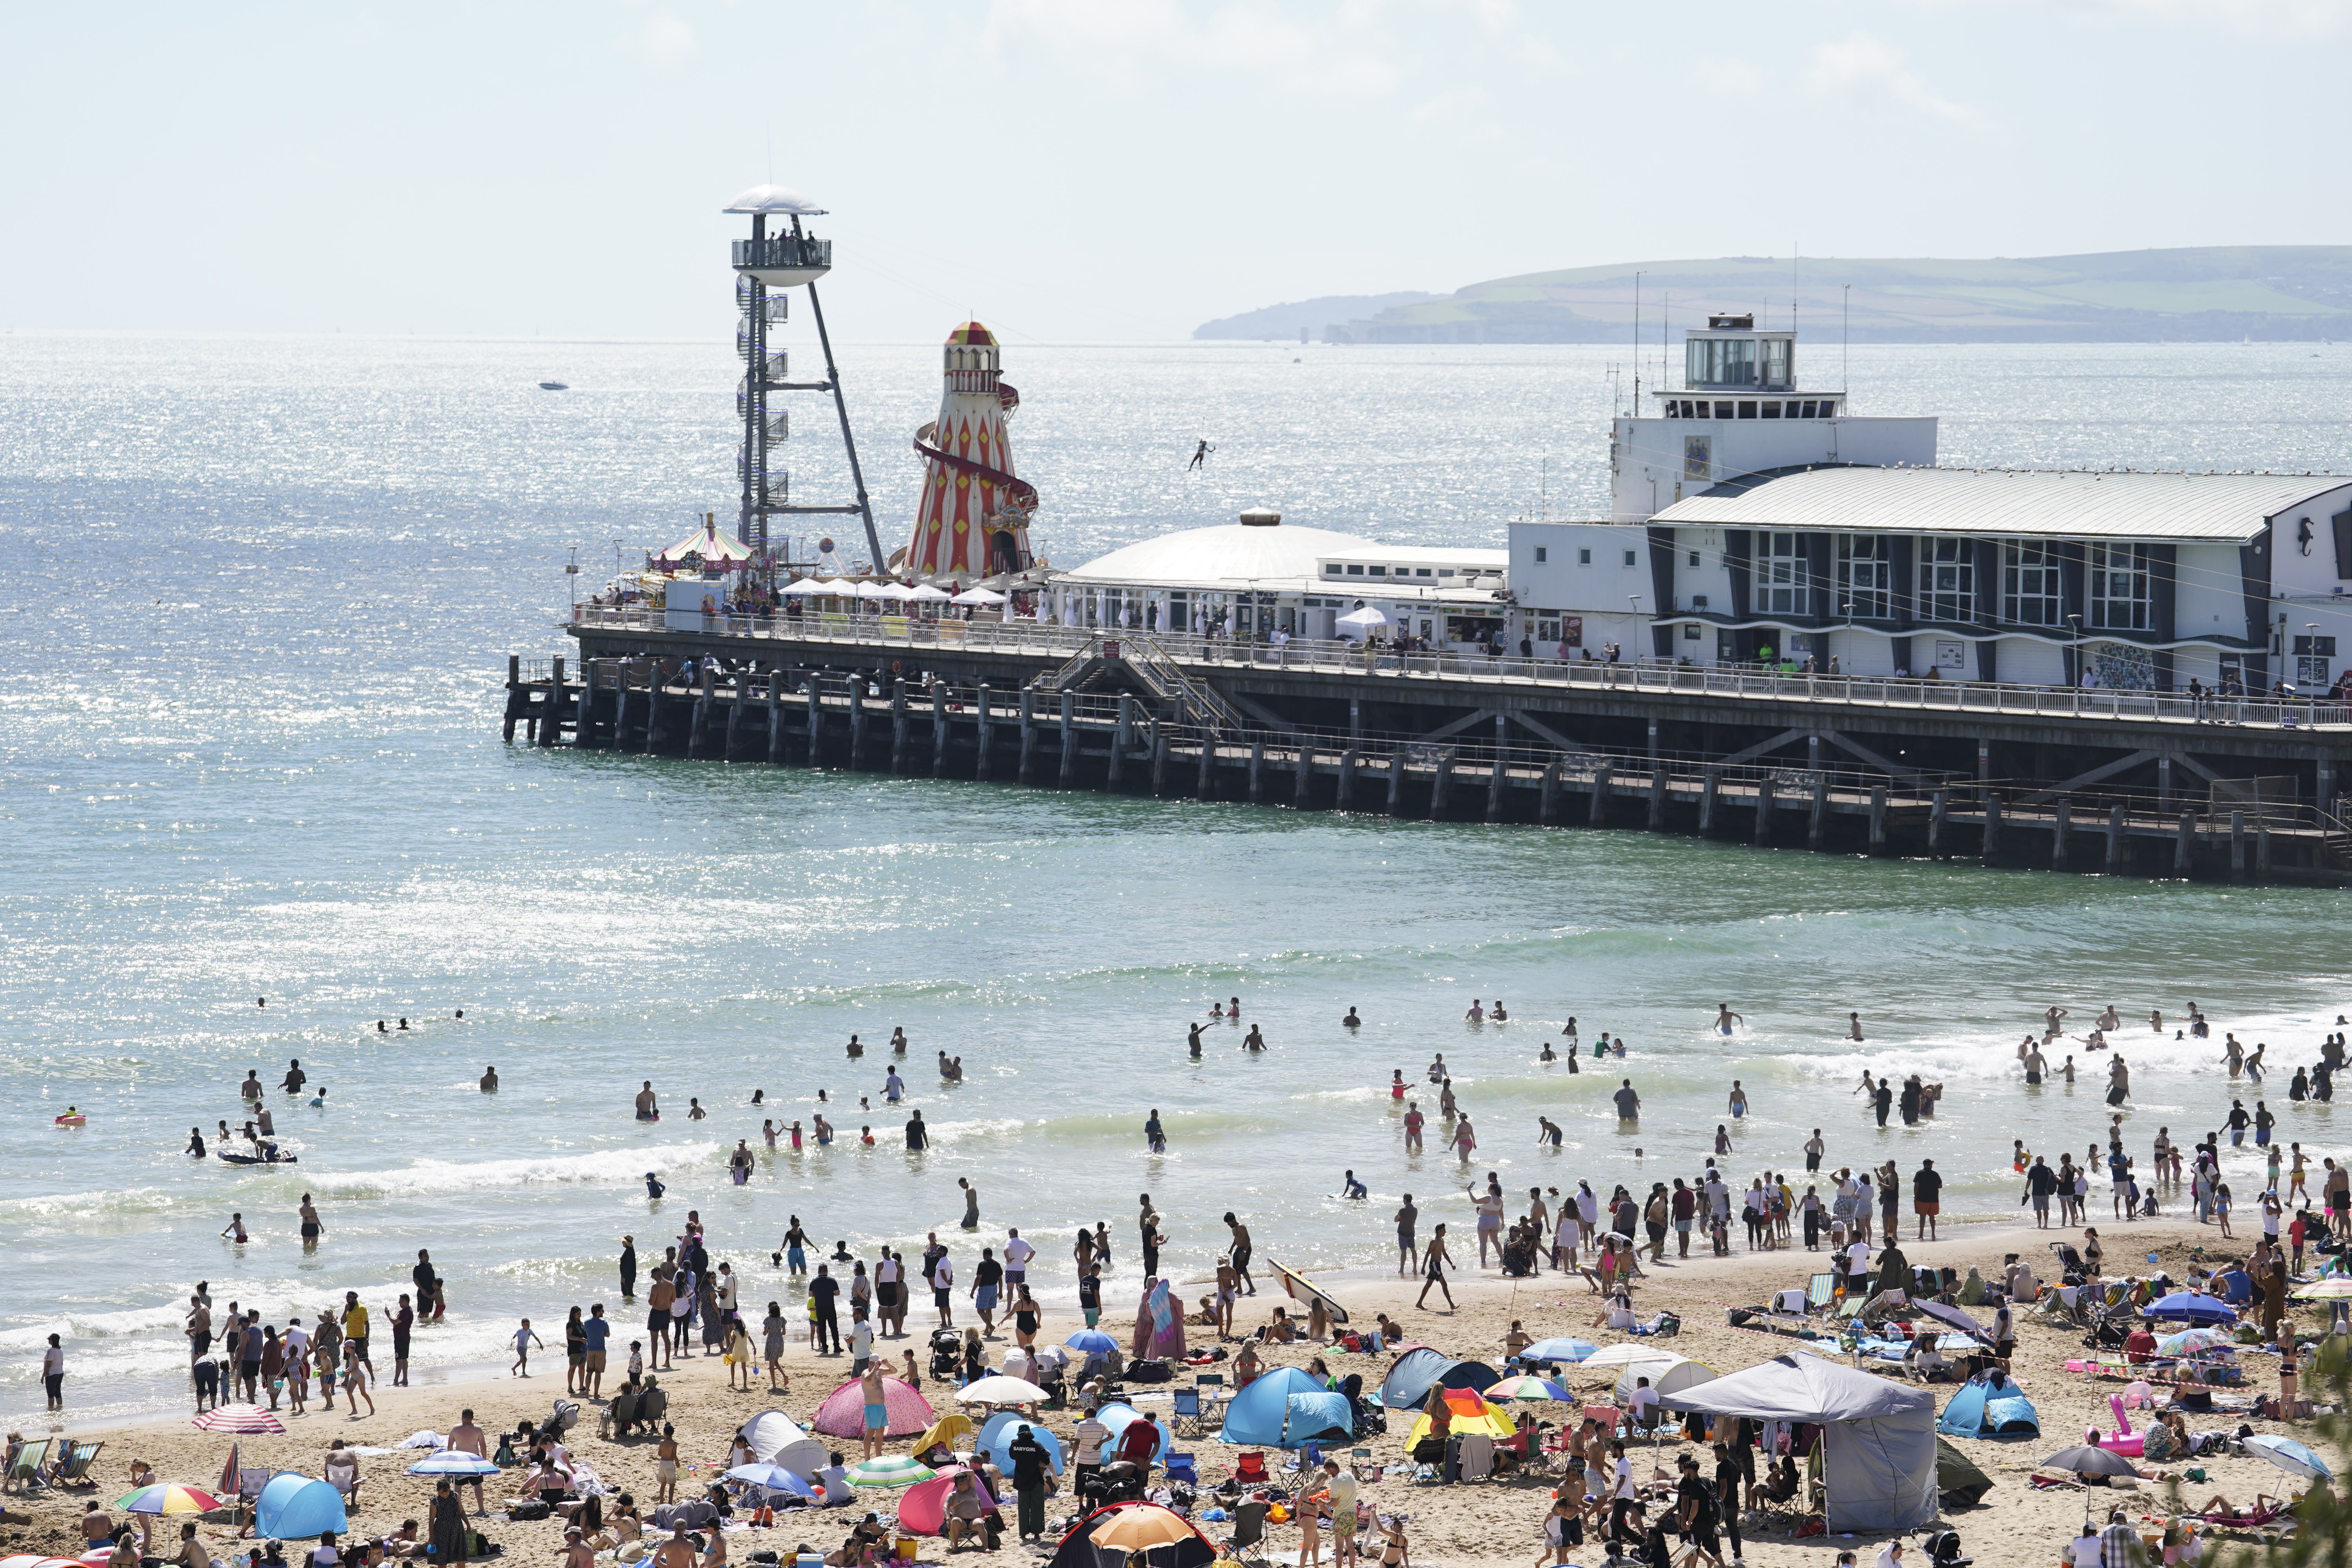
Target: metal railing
[1031, 638]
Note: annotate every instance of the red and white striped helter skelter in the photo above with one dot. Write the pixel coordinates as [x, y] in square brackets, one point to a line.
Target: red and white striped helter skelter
[973, 521]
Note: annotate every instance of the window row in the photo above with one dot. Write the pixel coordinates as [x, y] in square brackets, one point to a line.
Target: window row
[1748, 408]
[2033, 590]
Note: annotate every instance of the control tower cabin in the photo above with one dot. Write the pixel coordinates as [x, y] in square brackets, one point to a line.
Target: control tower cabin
[1742, 410]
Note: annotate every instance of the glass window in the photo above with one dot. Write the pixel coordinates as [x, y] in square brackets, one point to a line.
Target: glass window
[1771, 411]
[1628, 558]
[1423, 571]
[2030, 592]
[1720, 362]
[1541, 554]
[1780, 361]
[1781, 575]
[1866, 577]
[1380, 571]
[1332, 569]
[1948, 579]
[1585, 558]
[2116, 586]
[1355, 571]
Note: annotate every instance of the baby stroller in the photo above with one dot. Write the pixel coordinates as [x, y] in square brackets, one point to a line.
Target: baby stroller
[947, 1354]
[2071, 1261]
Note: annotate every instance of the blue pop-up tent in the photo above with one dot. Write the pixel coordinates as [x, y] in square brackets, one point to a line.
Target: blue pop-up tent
[291, 1506]
[1417, 1371]
[997, 1438]
[1981, 1410]
[1258, 1414]
[1311, 1417]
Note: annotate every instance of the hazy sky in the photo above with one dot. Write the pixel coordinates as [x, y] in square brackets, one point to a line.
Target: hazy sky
[1108, 169]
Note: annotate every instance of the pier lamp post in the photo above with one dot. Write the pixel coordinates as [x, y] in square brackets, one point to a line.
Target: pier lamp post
[571, 574]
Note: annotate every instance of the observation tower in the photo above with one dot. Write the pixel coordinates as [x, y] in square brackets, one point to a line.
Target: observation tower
[766, 266]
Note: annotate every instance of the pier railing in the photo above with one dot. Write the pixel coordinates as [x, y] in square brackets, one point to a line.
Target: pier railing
[1183, 648]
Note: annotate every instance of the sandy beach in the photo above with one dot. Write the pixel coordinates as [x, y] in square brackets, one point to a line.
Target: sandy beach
[1480, 1522]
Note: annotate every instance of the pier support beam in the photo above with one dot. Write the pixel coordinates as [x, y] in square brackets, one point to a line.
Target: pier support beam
[1710, 790]
[2164, 783]
[1257, 764]
[1597, 812]
[1657, 792]
[1878, 819]
[1206, 782]
[1159, 760]
[2116, 836]
[699, 725]
[1301, 790]
[735, 705]
[1119, 738]
[2059, 826]
[2237, 846]
[2184, 843]
[586, 722]
[1764, 803]
[551, 720]
[1070, 740]
[1396, 783]
[1495, 784]
[1990, 844]
[653, 702]
[1028, 732]
[1443, 785]
[816, 722]
[775, 715]
[2262, 853]
[1344, 798]
[1548, 796]
[939, 730]
[980, 764]
[898, 724]
[856, 721]
[621, 709]
[1817, 819]
[1938, 811]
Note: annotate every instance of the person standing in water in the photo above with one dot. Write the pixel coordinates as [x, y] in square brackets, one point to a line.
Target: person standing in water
[971, 1204]
[1854, 1026]
[1724, 1016]
[648, 1107]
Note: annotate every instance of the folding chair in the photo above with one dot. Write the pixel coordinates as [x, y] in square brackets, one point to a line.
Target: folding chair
[1818, 1292]
[1249, 1527]
[1210, 1380]
[1187, 1413]
[1179, 1468]
[1250, 1467]
[72, 1469]
[27, 1469]
[1359, 1460]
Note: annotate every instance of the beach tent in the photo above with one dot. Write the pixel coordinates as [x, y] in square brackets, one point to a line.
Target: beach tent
[291, 1506]
[1356, 624]
[1417, 1371]
[922, 1508]
[950, 1429]
[1255, 1415]
[1189, 1549]
[1878, 1437]
[1317, 1418]
[775, 1438]
[1472, 1412]
[1957, 1476]
[1667, 1373]
[1979, 1410]
[1120, 1417]
[842, 1414]
[995, 1439]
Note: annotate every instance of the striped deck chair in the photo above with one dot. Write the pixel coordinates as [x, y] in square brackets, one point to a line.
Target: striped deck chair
[73, 1463]
[1818, 1290]
[25, 1470]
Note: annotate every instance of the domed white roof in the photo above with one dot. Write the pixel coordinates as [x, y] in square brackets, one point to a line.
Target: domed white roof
[1229, 554]
[773, 199]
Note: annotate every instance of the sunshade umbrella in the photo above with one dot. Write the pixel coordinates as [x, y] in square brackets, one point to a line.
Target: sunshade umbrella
[1093, 1342]
[1626, 1355]
[167, 1498]
[928, 595]
[2194, 1306]
[452, 1462]
[238, 1419]
[890, 1470]
[1529, 1388]
[805, 586]
[1364, 618]
[1302, 1289]
[775, 1478]
[2335, 1287]
[1141, 1527]
[1955, 1318]
[978, 596]
[2090, 1462]
[1561, 1349]
[999, 1390]
[2192, 1341]
[34, 1560]
[2291, 1456]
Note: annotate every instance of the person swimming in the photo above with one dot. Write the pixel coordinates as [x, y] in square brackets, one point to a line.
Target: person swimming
[1254, 1041]
[1724, 1016]
[1547, 1054]
[1352, 1021]
[1496, 1015]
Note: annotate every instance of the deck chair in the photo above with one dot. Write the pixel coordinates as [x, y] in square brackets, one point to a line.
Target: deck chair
[1249, 1527]
[26, 1471]
[249, 1482]
[1249, 1469]
[1187, 1412]
[1210, 1380]
[1179, 1468]
[1818, 1290]
[72, 1469]
[1360, 1460]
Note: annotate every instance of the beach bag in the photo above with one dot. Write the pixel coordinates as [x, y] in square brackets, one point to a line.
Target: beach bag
[531, 1508]
[1150, 1371]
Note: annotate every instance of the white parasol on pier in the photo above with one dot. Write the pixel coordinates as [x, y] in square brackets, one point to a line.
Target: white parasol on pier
[930, 594]
[978, 596]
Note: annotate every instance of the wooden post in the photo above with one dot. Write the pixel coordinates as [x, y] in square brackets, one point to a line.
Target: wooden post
[1301, 790]
[1444, 783]
[981, 766]
[1256, 762]
[1817, 819]
[1396, 782]
[1710, 783]
[1989, 844]
[2237, 845]
[582, 728]
[1069, 739]
[1547, 796]
[898, 724]
[695, 727]
[653, 700]
[621, 709]
[1206, 781]
[1936, 809]
[1158, 760]
[856, 720]
[940, 696]
[1343, 797]
[514, 672]
[1121, 741]
[2116, 836]
[1494, 786]
[1763, 824]
[2184, 843]
[2060, 825]
[1597, 812]
[1878, 819]
[550, 722]
[775, 715]
[2263, 852]
[1028, 732]
[816, 724]
[734, 720]
[1657, 793]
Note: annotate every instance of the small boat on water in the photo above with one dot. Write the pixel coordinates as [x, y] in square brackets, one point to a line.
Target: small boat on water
[553, 386]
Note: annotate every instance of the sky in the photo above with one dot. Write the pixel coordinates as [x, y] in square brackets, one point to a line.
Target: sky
[1105, 170]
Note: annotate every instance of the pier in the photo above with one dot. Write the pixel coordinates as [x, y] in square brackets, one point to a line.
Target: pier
[2106, 780]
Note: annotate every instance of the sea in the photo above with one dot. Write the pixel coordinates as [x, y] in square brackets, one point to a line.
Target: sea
[250, 749]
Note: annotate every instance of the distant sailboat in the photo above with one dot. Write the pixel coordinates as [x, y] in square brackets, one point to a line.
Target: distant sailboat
[553, 386]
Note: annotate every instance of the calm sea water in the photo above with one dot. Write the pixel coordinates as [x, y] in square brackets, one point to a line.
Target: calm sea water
[248, 747]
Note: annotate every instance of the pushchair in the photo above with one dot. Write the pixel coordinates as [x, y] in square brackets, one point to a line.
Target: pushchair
[947, 1354]
[2071, 1261]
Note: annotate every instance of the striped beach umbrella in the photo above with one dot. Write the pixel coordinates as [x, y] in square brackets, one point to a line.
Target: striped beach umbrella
[246, 1418]
[452, 1462]
[167, 1498]
[890, 1470]
[1529, 1388]
[2192, 1342]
